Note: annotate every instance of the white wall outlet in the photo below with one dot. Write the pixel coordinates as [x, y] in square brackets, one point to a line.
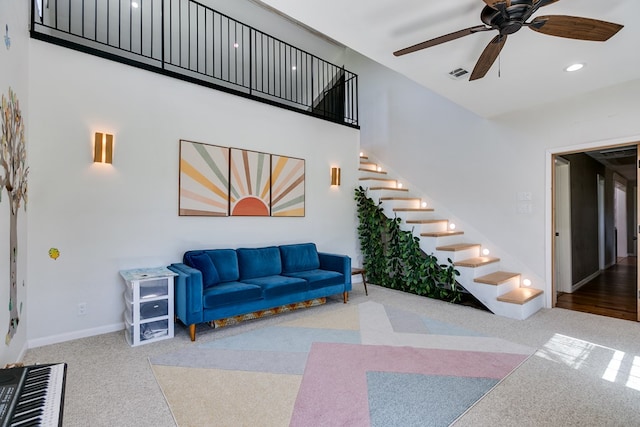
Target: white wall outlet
[82, 309]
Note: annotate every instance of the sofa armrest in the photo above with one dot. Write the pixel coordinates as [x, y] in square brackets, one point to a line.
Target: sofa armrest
[339, 263]
[188, 293]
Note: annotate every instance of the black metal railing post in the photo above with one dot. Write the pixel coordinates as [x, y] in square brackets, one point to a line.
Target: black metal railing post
[162, 34]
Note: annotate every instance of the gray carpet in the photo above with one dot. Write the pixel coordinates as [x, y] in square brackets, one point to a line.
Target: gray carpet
[586, 370]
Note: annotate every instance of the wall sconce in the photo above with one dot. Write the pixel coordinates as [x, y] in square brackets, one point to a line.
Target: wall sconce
[335, 176]
[103, 148]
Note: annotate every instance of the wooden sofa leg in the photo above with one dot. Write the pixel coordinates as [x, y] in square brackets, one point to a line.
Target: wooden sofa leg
[345, 296]
[192, 332]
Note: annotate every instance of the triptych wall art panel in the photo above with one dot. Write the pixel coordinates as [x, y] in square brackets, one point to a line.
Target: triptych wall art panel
[223, 181]
[287, 186]
[204, 179]
[250, 193]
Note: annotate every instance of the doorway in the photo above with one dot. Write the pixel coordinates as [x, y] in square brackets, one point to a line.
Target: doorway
[594, 223]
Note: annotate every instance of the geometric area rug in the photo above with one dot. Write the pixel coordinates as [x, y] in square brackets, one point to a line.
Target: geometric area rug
[356, 365]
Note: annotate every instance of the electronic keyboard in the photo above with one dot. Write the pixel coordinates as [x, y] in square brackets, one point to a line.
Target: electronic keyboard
[32, 395]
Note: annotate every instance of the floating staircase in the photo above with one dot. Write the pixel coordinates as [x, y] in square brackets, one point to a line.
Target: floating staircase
[502, 292]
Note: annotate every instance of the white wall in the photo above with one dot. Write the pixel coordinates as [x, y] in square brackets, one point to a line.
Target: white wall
[13, 62]
[475, 168]
[105, 218]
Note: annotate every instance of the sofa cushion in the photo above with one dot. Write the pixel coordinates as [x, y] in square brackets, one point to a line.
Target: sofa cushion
[319, 278]
[299, 257]
[275, 286]
[229, 293]
[203, 262]
[226, 262]
[259, 262]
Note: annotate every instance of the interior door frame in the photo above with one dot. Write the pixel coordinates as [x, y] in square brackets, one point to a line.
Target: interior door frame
[637, 231]
[562, 219]
[550, 289]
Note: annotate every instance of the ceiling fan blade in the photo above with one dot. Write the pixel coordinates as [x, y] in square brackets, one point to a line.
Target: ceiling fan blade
[488, 57]
[494, 3]
[573, 27]
[542, 3]
[537, 4]
[442, 39]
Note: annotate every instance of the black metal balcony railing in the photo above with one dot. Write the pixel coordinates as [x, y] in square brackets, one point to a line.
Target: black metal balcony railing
[190, 41]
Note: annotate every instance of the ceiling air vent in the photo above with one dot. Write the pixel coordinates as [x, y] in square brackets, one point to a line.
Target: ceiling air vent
[458, 73]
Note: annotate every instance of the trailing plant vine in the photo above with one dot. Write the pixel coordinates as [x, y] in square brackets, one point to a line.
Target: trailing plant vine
[392, 257]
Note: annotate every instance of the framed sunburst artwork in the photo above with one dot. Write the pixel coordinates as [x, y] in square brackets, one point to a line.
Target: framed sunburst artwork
[204, 180]
[287, 186]
[250, 192]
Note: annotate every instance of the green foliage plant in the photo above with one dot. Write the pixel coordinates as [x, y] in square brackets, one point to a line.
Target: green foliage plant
[392, 256]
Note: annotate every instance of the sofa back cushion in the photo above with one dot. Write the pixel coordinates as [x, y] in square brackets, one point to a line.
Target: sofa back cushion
[225, 262]
[259, 262]
[299, 257]
[203, 262]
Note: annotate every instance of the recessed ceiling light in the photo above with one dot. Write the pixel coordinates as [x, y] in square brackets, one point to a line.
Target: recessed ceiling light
[574, 67]
[134, 4]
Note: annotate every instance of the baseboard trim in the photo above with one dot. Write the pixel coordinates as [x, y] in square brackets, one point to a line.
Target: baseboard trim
[584, 281]
[55, 339]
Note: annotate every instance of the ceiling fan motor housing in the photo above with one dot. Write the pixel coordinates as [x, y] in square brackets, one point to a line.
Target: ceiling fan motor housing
[507, 19]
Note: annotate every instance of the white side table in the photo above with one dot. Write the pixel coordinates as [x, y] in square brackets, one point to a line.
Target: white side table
[148, 313]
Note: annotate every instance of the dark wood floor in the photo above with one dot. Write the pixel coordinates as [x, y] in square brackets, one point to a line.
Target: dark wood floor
[612, 293]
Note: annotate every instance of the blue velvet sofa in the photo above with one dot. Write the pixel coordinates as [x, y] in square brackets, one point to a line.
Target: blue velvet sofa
[215, 284]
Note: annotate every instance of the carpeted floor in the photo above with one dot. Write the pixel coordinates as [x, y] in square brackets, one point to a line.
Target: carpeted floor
[354, 365]
[585, 372]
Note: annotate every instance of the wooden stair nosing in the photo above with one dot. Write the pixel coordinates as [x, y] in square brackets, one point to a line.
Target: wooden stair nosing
[375, 178]
[476, 262]
[426, 221]
[372, 171]
[387, 189]
[520, 295]
[442, 233]
[404, 199]
[364, 158]
[368, 164]
[413, 209]
[496, 278]
[457, 247]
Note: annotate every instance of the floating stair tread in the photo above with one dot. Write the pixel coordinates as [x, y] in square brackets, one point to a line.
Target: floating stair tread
[413, 209]
[442, 233]
[372, 171]
[476, 262]
[364, 158]
[368, 163]
[520, 295]
[400, 198]
[388, 188]
[426, 221]
[375, 178]
[457, 247]
[497, 278]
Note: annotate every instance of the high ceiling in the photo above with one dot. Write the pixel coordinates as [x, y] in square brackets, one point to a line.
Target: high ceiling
[529, 72]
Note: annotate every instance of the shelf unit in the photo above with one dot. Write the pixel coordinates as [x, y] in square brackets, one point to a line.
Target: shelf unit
[148, 299]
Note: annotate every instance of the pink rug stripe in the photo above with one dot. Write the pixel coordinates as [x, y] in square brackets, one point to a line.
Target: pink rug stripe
[334, 386]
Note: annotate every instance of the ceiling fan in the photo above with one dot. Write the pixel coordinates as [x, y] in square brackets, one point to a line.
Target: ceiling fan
[508, 17]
